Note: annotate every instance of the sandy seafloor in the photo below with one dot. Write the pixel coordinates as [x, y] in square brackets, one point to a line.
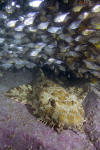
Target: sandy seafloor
[19, 130]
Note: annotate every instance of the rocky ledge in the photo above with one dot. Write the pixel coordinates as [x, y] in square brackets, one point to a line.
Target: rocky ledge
[19, 129]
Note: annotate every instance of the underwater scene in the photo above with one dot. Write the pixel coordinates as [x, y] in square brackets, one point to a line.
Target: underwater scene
[49, 74]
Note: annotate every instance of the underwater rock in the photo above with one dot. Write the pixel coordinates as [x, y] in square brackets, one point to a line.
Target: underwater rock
[92, 110]
[20, 130]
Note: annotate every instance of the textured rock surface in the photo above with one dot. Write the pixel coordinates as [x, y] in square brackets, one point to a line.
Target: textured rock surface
[20, 130]
[92, 109]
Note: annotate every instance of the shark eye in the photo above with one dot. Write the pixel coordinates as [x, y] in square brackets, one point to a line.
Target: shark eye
[52, 102]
